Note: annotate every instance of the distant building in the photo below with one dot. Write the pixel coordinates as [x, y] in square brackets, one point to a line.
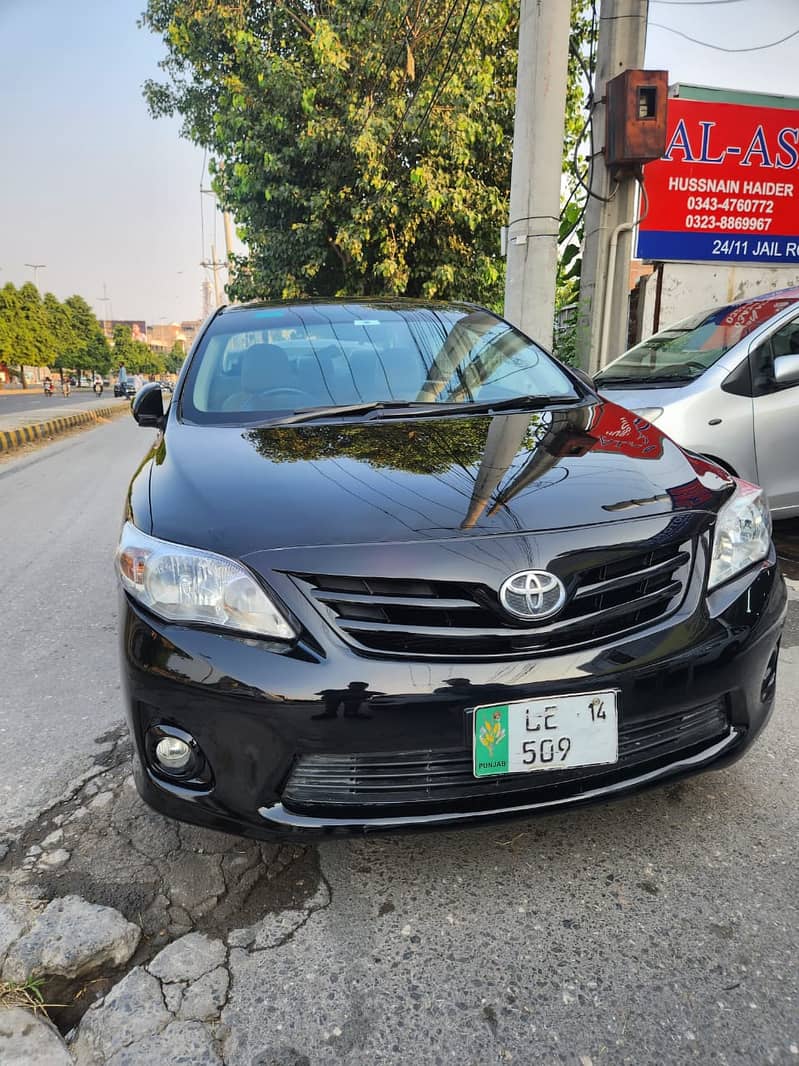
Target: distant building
[190, 331]
[162, 338]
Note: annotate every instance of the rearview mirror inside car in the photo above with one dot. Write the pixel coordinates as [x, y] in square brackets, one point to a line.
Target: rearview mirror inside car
[786, 369]
[148, 406]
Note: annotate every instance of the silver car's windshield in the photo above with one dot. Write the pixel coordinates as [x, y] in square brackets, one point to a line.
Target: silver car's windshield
[685, 350]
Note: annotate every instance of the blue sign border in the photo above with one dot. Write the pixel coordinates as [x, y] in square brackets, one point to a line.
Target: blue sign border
[718, 247]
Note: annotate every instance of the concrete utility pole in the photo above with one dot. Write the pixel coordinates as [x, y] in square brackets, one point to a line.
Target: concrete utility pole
[532, 248]
[214, 267]
[228, 220]
[622, 41]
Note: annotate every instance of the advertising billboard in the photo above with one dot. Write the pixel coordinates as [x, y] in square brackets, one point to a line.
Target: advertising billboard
[727, 188]
[137, 327]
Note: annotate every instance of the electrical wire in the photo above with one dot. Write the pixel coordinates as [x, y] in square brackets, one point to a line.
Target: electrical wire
[639, 177]
[584, 180]
[721, 48]
[378, 86]
[447, 74]
[421, 79]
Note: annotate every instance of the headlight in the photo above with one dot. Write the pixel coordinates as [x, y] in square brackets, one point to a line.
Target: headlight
[742, 535]
[183, 584]
[651, 414]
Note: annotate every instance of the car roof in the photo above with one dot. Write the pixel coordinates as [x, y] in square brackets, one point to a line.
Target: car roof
[783, 297]
[386, 303]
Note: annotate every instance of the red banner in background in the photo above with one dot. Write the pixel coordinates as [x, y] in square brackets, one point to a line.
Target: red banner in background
[727, 186]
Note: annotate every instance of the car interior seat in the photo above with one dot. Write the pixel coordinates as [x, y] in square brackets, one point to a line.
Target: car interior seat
[264, 369]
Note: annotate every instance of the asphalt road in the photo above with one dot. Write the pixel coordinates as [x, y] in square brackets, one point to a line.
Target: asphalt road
[60, 513]
[34, 399]
[662, 929]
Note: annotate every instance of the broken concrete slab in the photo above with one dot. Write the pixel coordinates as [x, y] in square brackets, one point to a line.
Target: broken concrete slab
[14, 922]
[27, 1039]
[187, 1043]
[195, 879]
[188, 959]
[71, 938]
[132, 1010]
[203, 1000]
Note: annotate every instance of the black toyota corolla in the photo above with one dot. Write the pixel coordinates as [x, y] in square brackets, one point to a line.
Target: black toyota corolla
[388, 564]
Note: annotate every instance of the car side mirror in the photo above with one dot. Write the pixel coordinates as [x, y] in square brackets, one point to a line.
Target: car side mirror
[584, 377]
[148, 406]
[786, 369]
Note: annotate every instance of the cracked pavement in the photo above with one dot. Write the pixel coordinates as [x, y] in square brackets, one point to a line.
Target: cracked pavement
[663, 928]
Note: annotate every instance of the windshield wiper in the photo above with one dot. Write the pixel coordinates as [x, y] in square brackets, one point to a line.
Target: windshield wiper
[413, 409]
[649, 379]
[488, 406]
[308, 414]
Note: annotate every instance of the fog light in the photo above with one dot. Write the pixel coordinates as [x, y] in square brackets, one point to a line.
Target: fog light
[173, 754]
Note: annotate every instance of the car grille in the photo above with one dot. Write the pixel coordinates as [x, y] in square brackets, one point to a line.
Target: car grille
[429, 780]
[401, 616]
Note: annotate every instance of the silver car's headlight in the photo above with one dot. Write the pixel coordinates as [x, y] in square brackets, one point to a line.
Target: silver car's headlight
[742, 535]
[182, 584]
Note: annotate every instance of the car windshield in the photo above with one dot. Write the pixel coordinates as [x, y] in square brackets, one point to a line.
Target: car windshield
[684, 351]
[258, 364]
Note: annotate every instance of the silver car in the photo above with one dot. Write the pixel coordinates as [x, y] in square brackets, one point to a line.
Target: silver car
[725, 384]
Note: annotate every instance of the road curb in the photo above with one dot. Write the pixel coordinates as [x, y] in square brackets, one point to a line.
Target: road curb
[15, 438]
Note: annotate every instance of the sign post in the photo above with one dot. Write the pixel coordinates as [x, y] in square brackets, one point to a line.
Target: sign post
[727, 188]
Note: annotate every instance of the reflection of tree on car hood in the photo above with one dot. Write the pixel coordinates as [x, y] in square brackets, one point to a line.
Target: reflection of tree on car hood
[418, 448]
[421, 447]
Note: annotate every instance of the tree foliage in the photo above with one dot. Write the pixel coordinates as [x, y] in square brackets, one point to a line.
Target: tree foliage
[36, 331]
[362, 148]
[427, 448]
[174, 358]
[135, 355]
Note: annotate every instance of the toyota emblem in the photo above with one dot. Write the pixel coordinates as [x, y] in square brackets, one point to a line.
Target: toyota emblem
[532, 594]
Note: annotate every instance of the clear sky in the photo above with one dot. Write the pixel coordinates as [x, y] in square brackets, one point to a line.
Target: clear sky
[93, 187]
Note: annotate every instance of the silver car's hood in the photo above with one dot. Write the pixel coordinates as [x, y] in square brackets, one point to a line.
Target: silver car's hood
[639, 399]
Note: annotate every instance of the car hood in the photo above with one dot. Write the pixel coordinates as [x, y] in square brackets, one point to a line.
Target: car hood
[641, 399]
[237, 491]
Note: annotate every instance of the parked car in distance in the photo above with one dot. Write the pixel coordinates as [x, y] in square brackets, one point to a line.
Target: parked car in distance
[128, 389]
[725, 384]
[388, 564]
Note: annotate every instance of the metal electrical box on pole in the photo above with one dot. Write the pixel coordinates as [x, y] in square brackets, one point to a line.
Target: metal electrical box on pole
[610, 215]
[532, 235]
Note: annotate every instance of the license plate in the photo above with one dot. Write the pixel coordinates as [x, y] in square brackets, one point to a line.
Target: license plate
[550, 733]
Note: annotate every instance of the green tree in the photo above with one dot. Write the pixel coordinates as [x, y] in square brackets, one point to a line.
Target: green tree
[361, 151]
[63, 340]
[145, 360]
[351, 164]
[25, 338]
[174, 358]
[91, 351]
[9, 303]
[124, 351]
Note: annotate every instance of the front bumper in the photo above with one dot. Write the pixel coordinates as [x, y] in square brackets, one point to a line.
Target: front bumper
[258, 712]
